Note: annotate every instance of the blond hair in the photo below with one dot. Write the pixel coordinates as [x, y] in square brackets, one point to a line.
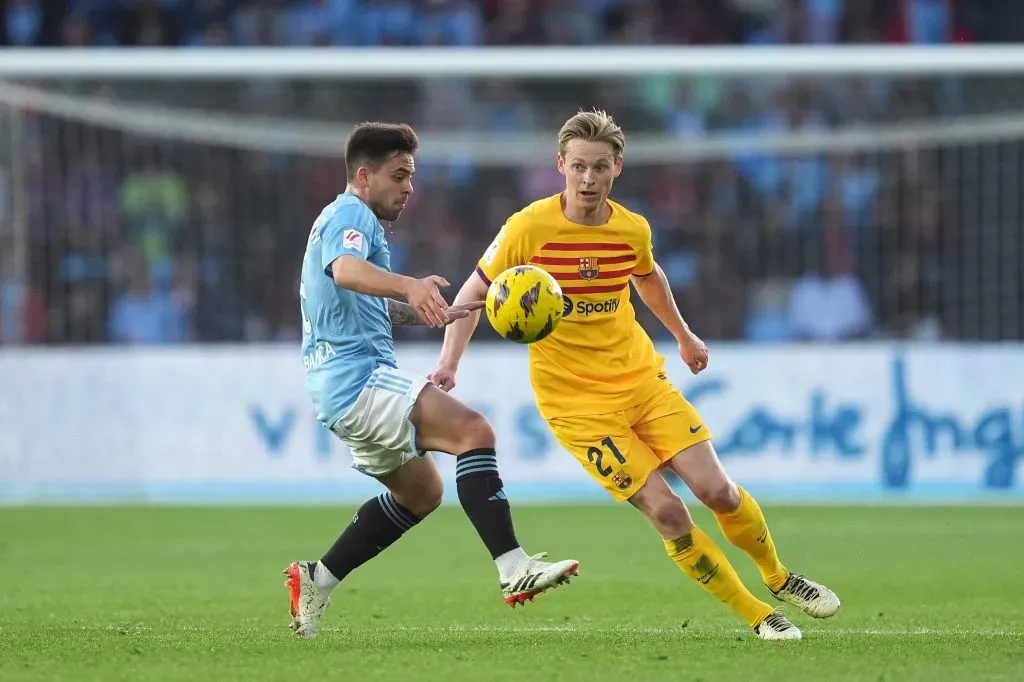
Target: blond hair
[592, 126]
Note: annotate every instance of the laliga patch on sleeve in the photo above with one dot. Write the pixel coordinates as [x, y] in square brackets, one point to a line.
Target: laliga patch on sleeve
[492, 250]
[352, 239]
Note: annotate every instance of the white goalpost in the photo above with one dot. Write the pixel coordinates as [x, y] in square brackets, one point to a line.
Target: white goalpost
[47, 70]
[546, 62]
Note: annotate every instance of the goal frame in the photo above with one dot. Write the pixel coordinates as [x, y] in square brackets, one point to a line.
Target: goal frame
[25, 74]
[539, 62]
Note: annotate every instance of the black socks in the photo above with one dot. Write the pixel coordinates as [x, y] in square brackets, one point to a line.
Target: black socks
[484, 501]
[374, 528]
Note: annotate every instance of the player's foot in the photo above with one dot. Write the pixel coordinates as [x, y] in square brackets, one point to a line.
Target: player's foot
[308, 602]
[813, 599]
[777, 627]
[533, 576]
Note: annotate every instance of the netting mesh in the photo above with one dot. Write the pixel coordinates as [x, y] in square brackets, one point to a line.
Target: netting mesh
[782, 208]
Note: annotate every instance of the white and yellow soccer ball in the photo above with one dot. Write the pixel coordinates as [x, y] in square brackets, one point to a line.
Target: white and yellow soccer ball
[524, 304]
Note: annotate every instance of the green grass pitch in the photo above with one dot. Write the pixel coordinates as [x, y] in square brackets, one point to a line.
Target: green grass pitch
[169, 593]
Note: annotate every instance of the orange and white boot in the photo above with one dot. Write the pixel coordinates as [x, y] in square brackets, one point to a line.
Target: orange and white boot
[308, 602]
[533, 576]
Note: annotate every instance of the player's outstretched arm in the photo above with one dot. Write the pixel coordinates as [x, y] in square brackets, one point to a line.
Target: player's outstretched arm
[458, 334]
[403, 314]
[356, 274]
[656, 293]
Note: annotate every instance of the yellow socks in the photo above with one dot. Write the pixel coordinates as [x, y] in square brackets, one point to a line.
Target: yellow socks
[699, 557]
[746, 528]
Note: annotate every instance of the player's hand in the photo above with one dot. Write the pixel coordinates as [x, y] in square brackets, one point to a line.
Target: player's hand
[693, 352]
[443, 378]
[425, 297]
[461, 310]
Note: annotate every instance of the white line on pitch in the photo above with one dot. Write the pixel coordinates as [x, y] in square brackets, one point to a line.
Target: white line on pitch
[935, 632]
[138, 628]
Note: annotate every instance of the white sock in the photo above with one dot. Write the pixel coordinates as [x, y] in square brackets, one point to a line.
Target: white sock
[324, 579]
[509, 561]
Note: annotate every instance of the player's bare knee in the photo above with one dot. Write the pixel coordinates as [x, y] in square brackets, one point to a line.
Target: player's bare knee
[665, 511]
[424, 499]
[428, 502]
[671, 517]
[720, 496]
[475, 432]
[662, 507]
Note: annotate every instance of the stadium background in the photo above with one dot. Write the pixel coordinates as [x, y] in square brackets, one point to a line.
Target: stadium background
[141, 240]
[848, 241]
[862, 298]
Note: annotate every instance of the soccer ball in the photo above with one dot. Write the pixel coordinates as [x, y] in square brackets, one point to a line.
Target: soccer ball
[524, 304]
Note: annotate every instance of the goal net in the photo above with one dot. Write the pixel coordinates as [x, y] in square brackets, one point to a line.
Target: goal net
[833, 196]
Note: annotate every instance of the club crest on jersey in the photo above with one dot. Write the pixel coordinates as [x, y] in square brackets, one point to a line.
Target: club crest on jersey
[622, 480]
[589, 268]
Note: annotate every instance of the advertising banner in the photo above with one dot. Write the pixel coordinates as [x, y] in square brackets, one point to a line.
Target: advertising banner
[845, 423]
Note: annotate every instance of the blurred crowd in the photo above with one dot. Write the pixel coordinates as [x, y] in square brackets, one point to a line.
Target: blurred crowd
[216, 23]
[134, 239]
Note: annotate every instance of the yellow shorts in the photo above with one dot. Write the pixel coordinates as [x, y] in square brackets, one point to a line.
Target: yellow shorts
[621, 449]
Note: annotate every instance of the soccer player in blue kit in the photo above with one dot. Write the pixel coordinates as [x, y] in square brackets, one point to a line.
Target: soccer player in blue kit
[390, 418]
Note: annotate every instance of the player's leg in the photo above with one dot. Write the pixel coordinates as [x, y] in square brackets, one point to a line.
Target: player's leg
[444, 424]
[627, 469]
[743, 523]
[380, 439]
[737, 513]
[414, 490]
[700, 557]
[674, 430]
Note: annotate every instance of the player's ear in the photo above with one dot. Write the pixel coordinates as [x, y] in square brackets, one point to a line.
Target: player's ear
[363, 177]
[618, 166]
[560, 161]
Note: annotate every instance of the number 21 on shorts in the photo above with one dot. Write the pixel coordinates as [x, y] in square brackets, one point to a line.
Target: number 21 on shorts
[595, 455]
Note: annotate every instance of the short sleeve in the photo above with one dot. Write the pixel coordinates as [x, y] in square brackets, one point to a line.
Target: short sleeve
[645, 255]
[346, 232]
[509, 249]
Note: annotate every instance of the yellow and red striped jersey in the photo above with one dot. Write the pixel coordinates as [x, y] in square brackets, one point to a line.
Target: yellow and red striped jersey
[596, 356]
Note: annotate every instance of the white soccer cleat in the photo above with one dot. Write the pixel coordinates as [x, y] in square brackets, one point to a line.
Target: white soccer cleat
[813, 599]
[777, 627]
[533, 576]
[308, 602]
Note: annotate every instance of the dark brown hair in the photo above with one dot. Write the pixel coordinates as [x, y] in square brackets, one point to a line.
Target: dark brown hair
[373, 143]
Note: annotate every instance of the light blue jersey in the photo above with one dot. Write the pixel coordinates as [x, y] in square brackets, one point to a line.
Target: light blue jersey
[345, 335]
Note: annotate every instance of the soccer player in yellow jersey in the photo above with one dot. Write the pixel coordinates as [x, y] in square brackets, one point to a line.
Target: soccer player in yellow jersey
[601, 385]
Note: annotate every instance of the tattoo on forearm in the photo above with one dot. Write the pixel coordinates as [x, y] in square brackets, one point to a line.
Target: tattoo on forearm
[402, 314]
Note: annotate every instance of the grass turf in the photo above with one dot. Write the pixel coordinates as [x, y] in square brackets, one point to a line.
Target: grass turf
[168, 593]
